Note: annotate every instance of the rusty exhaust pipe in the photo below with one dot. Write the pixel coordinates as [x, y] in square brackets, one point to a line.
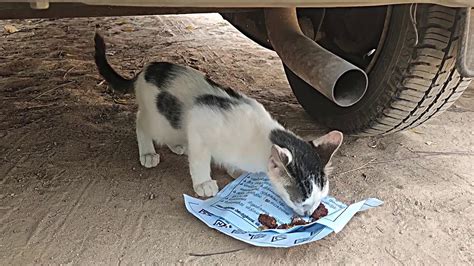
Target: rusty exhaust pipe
[340, 81]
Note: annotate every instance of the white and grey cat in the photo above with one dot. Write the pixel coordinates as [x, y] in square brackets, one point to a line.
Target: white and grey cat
[180, 107]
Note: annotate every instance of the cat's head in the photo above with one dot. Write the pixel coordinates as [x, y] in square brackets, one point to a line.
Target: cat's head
[299, 170]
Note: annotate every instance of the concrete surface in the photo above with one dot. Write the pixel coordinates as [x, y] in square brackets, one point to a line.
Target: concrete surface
[72, 189]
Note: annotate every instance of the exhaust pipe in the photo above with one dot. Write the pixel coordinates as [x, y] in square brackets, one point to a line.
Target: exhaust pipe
[338, 80]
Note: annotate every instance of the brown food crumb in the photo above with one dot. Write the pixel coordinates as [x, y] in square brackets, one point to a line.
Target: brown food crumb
[284, 226]
[268, 221]
[321, 211]
[298, 221]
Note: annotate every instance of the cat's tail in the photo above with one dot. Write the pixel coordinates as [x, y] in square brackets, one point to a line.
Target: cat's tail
[117, 82]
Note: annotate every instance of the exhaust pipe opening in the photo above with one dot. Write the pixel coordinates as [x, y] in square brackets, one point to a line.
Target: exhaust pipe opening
[349, 88]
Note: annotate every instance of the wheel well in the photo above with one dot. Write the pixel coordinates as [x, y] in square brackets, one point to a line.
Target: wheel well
[352, 33]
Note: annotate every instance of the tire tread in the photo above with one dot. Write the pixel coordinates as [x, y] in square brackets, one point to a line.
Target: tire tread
[430, 83]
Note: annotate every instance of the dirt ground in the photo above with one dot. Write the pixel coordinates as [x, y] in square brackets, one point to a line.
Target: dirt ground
[72, 189]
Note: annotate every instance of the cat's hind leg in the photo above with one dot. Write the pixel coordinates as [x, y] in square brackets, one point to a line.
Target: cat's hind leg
[146, 149]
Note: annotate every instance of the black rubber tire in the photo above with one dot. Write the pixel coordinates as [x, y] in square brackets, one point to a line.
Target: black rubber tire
[408, 84]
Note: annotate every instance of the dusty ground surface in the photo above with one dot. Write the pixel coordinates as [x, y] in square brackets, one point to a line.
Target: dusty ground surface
[72, 189]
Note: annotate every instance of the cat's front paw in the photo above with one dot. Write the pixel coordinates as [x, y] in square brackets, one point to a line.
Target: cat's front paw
[207, 189]
[150, 160]
[178, 149]
[234, 173]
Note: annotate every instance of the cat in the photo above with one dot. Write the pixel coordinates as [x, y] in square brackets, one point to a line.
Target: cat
[180, 107]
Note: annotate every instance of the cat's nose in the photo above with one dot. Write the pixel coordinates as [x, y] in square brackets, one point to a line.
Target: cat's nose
[308, 210]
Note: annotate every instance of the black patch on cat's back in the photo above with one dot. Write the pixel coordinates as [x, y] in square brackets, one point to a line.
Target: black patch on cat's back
[232, 93]
[160, 73]
[306, 164]
[228, 90]
[212, 82]
[170, 107]
[215, 101]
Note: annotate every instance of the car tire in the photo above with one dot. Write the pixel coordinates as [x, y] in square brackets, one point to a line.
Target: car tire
[408, 84]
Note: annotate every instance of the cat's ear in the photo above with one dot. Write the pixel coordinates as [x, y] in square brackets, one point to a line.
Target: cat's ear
[280, 155]
[327, 145]
[279, 159]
